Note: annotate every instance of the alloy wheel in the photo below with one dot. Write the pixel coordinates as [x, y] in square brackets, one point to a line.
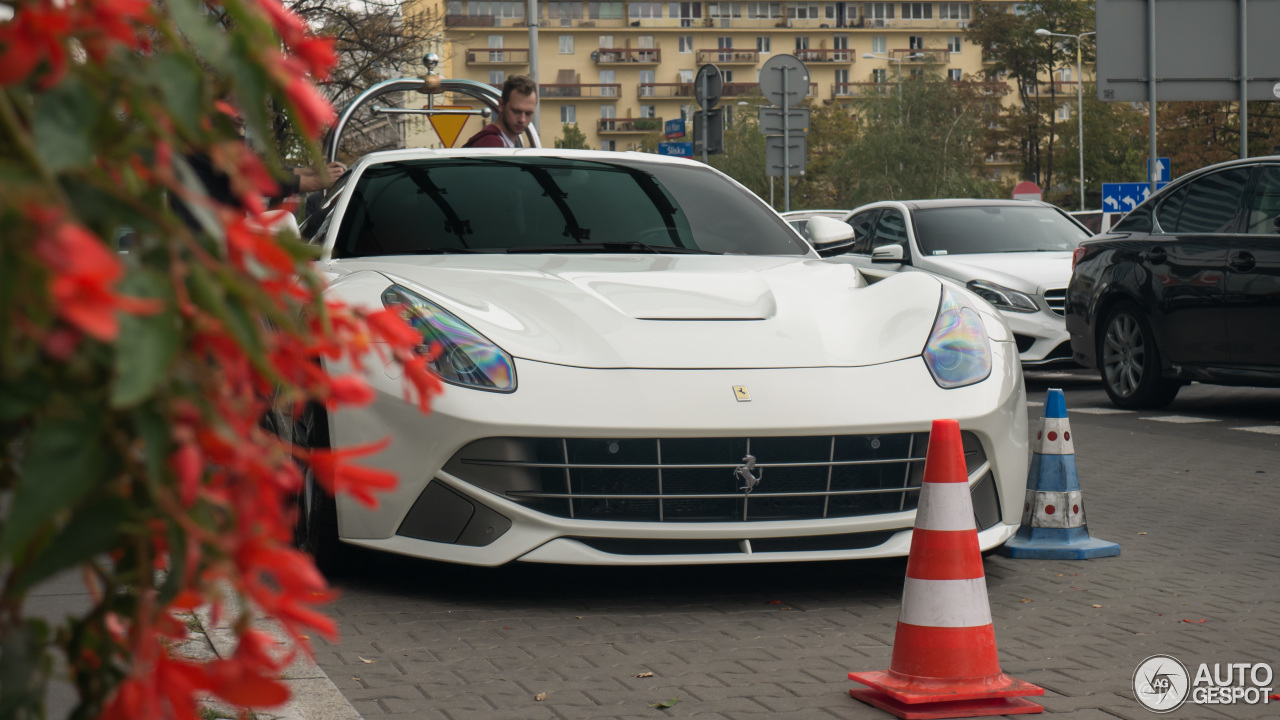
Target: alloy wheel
[1123, 351]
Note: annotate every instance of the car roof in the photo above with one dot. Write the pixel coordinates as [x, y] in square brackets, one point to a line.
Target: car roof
[950, 203]
[804, 214]
[599, 155]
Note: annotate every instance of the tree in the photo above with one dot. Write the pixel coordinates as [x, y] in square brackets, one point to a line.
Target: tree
[1115, 149]
[572, 138]
[136, 389]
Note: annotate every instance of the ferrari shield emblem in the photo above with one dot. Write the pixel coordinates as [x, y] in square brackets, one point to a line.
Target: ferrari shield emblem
[741, 393]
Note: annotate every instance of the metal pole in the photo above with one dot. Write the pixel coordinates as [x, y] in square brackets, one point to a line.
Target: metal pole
[1080, 112]
[786, 144]
[1244, 81]
[1151, 89]
[899, 61]
[533, 53]
[706, 118]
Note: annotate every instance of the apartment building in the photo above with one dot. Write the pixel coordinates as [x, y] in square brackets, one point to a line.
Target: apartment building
[619, 69]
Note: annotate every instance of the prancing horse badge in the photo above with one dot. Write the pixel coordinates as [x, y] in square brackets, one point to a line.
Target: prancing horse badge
[741, 393]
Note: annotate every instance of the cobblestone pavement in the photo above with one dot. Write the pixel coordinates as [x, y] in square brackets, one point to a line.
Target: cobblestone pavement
[1193, 505]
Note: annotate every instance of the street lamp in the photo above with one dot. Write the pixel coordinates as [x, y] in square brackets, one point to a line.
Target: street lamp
[912, 56]
[1079, 97]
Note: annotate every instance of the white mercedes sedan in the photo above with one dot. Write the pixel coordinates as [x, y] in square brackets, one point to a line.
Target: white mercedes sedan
[645, 365]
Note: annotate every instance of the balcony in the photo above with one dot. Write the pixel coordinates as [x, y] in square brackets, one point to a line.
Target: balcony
[728, 56]
[628, 126]
[932, 56]
[485, 21]
[843, 57]
[737, 90]
[579, 91]
[627, 56]
[922, 24]
[682, 90]
[850, 91]
[497, 56]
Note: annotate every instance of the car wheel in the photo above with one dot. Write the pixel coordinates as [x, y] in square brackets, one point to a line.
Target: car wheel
[316, 530]
[1130, 362]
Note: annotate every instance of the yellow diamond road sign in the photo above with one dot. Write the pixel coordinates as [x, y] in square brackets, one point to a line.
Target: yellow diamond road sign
[447, 126]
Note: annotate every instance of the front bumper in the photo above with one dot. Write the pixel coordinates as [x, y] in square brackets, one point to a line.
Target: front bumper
[555, 401]
[1041, 338]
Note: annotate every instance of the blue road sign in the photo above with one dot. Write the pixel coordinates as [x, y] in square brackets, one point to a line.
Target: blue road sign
[678, 149]
[1123, 197]
[1162, 170]
[673, 128]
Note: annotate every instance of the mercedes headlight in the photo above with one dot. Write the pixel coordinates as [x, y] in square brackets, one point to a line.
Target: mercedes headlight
[958, 352]
[1002, 297]
[464, 356]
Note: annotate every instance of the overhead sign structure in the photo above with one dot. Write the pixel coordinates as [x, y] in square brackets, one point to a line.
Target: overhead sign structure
[673, 129]
[1123, 197]
[448, 126]
[1161, 170]
[676, 149]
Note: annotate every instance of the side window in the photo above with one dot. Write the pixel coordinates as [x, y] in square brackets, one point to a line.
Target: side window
[891, 229]
[1171, 209]
[1213, 203]
[1264, 205]
[1138, 221]
[862, 223]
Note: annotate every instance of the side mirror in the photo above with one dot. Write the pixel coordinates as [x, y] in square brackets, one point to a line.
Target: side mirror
[823, 233]
[887, 254]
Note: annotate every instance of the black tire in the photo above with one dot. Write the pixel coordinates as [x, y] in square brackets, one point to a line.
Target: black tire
[316, 531]
[1129, 362]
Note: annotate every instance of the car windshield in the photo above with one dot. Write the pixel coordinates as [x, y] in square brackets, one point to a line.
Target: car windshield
[552, 205]
[995, 229]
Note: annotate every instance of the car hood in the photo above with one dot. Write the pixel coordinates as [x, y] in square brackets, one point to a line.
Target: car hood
[1031, 272]
[666, 311]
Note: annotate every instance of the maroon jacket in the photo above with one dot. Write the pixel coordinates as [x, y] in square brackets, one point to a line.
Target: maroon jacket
[490, 136]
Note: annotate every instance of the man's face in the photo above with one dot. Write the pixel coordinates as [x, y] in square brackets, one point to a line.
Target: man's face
[517, 111]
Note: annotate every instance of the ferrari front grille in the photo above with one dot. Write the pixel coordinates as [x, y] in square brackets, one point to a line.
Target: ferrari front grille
[705, 479]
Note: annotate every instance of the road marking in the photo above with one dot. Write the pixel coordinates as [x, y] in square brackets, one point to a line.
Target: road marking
[1179, 419]
[1264, 429]
[1100, 411]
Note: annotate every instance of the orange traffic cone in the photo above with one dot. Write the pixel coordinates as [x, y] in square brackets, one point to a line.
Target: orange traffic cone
[944, 652]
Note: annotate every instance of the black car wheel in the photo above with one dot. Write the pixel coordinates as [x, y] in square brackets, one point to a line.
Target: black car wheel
[316, 531]
[1130, 362]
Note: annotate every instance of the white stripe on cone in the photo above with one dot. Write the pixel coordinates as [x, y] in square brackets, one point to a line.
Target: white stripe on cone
[945, 603]
[1055, 437]
[945, 506]
[1045, 509]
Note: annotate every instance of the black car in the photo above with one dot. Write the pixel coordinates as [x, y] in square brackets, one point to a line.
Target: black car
[1186, 287]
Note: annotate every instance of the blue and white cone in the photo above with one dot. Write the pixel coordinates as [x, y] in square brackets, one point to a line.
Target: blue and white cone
[1053, 525]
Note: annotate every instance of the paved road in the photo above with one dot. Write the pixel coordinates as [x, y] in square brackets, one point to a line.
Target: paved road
[1191, 497]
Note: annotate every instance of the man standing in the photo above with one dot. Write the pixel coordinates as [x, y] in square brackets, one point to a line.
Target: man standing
[515, 112]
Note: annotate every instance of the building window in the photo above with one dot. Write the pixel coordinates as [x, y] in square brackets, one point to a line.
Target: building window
[648, 111]
[568, 113]
[604, 10]
[647, 78]
[566, 44]
[1064, 112]
[645, 10]
[492, 9]
[684, 76]
[687, 12]
[686, 43]
[915, 42]
[764, 10]
[953, 44]
[497, 77]
[917, 11]
[686, 112]
[607, 78]
[724, 10]
[608, 111]
[953, 11]
[879, 11]
[1064, 74]
[802, 42]
[840, 42]
[955, 74]
[802, 12]
[829, 11]
[565, 11]
[879, 75]
[763, 44]
[878, 44]
[842, 77]
[608, 144]
[728, 75]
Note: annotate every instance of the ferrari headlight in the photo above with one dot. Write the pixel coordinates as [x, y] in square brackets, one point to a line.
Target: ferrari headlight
[1002, 297]
[958, 352]
[465, 357]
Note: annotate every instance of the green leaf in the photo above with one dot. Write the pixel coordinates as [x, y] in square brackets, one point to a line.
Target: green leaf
[153, 429]
[24, 670]
[666, 703]
[211, 296]
[147, 343]
[91, 531]
[64, 461]
[18, 399]
[180, 83]
[63, 124]
[204, 35]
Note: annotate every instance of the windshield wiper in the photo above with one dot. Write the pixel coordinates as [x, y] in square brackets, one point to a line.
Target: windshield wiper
[606, 247]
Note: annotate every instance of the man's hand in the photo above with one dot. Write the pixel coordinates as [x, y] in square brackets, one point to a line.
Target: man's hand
[310, 180]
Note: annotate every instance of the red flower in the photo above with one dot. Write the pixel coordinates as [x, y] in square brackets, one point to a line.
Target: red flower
[187, 464]
[336, 476]
[319, 55]
[311, 109]
[35, 34]
[350, 390]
